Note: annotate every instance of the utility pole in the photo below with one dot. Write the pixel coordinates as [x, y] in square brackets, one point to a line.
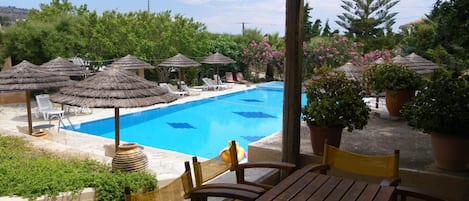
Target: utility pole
[148, 6]
[242, 23]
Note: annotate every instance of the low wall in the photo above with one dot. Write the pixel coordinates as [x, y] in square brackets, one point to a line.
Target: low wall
[12, 97]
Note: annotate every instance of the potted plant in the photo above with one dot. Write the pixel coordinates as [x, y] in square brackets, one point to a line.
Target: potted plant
[333, 103]
[442, 110]
[398, 82]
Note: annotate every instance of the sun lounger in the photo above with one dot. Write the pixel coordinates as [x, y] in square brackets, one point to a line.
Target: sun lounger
[210, 85]
[45, 107]
[173, 91]
[240, 78]
[229, 77]
[220, 82]
[190, 91]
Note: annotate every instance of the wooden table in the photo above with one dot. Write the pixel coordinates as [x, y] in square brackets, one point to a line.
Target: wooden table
[306, 185]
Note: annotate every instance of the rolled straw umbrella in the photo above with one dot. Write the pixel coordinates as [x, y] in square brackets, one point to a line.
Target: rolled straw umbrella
[420, 64]
[27, 76]
[113, 88]
[64, 67]
[179, 61]
[217, 58]
[351, 71]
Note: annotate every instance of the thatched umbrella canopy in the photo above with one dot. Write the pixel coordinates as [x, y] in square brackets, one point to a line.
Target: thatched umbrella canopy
[351, 71]
[113, 88]
[62, 66]
[400, 60]
[27, 76]
[179, 61]
[217, 58]
[420, 64]
[130, 62]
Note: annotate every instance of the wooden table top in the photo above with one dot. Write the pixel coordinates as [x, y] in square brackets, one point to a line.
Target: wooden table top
[305, 185]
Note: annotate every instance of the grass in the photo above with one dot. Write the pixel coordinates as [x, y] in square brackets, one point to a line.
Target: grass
[31, 173]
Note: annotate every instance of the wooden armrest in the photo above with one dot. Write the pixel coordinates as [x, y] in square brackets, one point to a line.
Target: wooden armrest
[200, 194]
[243, 187]
[320, 167]
[391, 182]
[405, 191]
[269, 164]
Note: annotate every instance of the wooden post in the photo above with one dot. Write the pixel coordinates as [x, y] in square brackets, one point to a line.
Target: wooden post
[293, 79]
[28, 109]
[116, 128]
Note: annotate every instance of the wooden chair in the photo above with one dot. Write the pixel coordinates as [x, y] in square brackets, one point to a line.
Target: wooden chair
[182, 188]
[402, 192]
[382, 166]
[207, 170]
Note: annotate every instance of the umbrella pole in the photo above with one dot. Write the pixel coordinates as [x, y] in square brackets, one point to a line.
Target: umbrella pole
[116, 127]
[28, 108]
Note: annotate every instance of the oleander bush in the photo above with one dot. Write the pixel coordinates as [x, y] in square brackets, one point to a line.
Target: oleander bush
[31, 173]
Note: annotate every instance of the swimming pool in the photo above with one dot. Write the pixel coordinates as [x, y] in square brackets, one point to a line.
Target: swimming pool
[201, 128]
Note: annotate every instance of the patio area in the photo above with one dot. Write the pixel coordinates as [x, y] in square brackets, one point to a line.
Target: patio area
[382, 135]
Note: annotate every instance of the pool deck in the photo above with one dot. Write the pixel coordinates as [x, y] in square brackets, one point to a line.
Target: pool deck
[165, 164]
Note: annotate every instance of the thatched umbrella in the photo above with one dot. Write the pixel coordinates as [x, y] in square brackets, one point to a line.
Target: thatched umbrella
[217, 58]
[113, 88]
[179, 61]
[352, 72]
[62, 66]
[27, 76]
[400, 60]
[130, 62]
[420, 64]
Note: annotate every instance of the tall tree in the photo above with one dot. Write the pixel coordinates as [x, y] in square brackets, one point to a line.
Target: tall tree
[308, 24]
[451, 22]
[366, 18]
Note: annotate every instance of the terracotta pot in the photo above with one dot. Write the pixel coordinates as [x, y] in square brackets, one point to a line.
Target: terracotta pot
[396, 99]
[319, 136]
[129, 157]
[450, 152]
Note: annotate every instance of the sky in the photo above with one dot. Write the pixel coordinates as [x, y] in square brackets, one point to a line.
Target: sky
[227, 16]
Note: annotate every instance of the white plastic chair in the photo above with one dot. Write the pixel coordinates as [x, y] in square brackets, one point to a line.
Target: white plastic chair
[45, 106]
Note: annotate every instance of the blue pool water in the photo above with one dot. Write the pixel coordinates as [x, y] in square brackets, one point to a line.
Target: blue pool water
[201, 128]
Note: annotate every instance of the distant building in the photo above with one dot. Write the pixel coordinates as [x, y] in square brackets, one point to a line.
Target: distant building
[407, 27]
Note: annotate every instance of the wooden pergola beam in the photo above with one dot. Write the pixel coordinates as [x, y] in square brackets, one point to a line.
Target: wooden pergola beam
[293, 80]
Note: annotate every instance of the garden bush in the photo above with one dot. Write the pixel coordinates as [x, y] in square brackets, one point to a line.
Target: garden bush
[31, 173]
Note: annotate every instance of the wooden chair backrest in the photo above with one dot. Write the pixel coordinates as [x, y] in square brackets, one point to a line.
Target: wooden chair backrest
[177, 190]
[206, 170]
[386, 166]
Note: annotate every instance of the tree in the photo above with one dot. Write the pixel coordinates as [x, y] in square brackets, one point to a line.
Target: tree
[365, 18]
[308, 25]
[451, 22]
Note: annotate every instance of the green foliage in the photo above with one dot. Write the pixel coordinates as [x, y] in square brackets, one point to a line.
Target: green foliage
[31, 173]
[392, 76]
[365, 18]
[61, 29]
[335, 101]
[442, 106]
